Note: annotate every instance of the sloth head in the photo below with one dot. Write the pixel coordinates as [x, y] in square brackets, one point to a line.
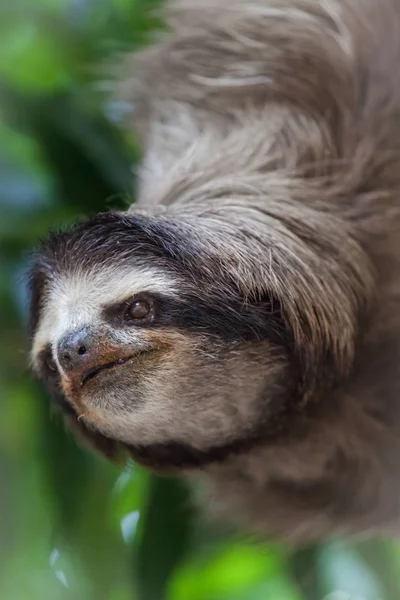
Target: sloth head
[164, 334]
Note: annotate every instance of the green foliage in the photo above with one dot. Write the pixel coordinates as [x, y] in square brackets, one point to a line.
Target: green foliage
[71, 525]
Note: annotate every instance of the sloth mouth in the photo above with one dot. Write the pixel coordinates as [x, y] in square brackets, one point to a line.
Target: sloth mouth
[93, 372]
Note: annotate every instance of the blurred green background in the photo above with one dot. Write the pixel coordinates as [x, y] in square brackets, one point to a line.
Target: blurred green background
[71, 525]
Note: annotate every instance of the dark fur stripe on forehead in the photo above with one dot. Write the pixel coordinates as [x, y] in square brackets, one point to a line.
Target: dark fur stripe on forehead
[107, 239]
[112, 239]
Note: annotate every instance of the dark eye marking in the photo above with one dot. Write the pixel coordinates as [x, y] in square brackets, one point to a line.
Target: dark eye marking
[195, 313]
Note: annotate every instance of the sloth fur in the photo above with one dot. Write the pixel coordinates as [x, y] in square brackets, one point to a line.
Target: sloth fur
[240, 323]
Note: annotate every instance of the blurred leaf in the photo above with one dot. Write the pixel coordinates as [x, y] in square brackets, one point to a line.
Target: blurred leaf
[379, 556]
[130, 492]
[164, 536]
[304, 568]
[72, 142]
[31, 60]
[234, 571]
[342, 568]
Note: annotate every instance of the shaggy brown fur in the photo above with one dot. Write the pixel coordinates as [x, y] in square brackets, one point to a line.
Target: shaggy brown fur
[266, 242]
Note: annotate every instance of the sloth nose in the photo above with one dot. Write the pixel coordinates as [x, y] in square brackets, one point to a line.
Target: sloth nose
[75, 350]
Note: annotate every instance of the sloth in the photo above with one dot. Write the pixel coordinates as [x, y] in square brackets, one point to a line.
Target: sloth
[239, 325]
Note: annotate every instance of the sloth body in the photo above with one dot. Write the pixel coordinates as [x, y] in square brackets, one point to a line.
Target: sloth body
[240, 324]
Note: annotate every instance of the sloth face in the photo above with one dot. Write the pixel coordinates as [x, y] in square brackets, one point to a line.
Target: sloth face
[143, 340]
[190, 336]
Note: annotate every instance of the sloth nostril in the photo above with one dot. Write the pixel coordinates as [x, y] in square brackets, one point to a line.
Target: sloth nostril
[74, 349]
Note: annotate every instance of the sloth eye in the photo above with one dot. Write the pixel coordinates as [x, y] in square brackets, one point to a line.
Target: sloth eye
[138, 310]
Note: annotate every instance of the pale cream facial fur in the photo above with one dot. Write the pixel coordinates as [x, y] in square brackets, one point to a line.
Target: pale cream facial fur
[77, 299]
